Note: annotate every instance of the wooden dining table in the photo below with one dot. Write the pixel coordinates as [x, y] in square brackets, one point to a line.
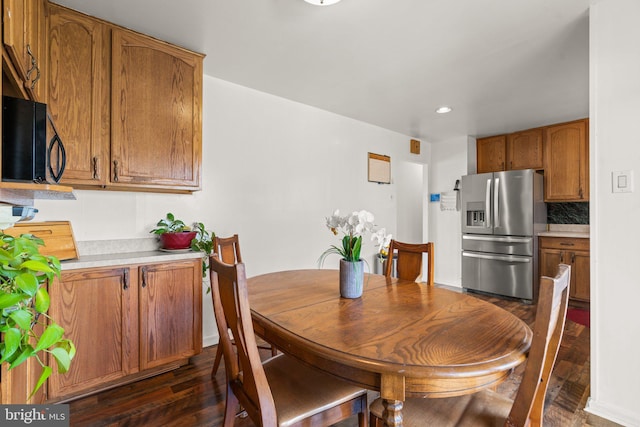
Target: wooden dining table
[401, 338]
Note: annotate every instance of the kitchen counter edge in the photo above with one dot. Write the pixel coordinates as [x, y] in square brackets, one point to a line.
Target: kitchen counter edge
[571, 234]
[127, 258]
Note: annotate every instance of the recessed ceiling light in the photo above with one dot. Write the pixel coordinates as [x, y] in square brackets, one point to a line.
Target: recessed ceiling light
[443, 109]
[322, 2]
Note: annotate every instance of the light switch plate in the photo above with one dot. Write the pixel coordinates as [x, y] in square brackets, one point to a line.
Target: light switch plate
[622, 182]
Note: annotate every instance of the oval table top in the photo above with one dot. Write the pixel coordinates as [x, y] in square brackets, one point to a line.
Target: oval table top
[402, 338]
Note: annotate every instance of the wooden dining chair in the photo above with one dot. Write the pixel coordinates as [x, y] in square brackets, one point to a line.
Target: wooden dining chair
[488, 408]
[228, 250]
[280, 391]
[409, 260]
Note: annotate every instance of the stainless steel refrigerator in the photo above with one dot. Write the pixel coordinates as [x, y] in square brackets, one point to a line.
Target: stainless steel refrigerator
[502, 213]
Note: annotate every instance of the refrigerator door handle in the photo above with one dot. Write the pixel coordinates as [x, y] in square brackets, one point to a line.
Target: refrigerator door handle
[507, 239]
[497, 257]
[487, 204]
[496, 203]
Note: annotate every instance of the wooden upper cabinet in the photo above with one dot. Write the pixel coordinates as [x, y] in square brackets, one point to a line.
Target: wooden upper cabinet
[524, 150]
[79, 76]
[156, 112]
[566, 162]
[491, 153]
[127, 107]
[14, 20]
[24, 37]
[515, 151]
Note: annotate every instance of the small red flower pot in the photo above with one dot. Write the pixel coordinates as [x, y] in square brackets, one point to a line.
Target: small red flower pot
[180, 240]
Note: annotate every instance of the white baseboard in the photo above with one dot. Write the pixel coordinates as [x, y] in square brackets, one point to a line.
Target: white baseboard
[210, 340]
[612, 413]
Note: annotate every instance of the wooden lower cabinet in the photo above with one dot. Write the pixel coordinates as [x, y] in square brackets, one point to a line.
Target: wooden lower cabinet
[17, 383]
[571, 251]
[170, 312]
[126, 321]
[98, 310]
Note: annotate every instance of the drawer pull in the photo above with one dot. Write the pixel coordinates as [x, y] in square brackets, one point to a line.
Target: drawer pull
[566, 244]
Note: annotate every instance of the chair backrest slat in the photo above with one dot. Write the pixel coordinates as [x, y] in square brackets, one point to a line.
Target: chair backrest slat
[228, 249]
[409, 260]
[245, 374]
[528, 406]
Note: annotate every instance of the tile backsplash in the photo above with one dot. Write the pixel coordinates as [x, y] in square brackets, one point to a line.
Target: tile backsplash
[568, 213]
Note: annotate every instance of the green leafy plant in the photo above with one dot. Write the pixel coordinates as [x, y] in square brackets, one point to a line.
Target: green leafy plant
[24, 302]
[203, 242]
[170, 225]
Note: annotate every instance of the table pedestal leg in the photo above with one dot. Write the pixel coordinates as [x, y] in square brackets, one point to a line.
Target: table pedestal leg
[392, 413]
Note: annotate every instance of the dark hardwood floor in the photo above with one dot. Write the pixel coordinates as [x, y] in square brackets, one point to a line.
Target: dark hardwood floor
[189, 397]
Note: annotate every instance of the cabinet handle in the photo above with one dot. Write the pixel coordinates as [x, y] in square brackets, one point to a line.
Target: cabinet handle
[561, 257]
[125, 279]
[573, 257]
[566, 243]
[95, 167]
[115, 171]
[34, 68]
[144, 277]
[580, 193]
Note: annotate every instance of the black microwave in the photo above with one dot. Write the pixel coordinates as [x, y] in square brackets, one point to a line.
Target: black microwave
[26, 156]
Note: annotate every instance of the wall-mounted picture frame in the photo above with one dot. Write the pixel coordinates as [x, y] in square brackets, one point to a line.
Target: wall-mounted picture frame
[379, 169]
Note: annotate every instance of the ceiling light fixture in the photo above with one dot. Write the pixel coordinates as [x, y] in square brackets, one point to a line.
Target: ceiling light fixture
[442, 110]
[322, 2]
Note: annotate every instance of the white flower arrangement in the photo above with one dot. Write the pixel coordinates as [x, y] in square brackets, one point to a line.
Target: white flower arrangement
[354, 226]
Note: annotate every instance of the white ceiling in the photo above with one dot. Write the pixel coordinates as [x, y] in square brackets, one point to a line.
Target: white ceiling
[502, 65]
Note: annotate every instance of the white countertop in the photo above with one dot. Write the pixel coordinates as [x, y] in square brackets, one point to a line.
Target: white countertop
[110, 253]
[126, 258]
[566, 230]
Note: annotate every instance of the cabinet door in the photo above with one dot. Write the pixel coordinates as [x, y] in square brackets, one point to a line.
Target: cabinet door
[170, 312]
[25, 41]
[491, 153]
[566, 165]
[580, 279]
[98, 310]
[35, 55]
[156, 113]
[79, 93]
[17, 383]
[14, 19]
[549, 261]
[524, 150]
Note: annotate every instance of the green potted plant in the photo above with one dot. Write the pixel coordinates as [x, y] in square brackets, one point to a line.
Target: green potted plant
[24, 302]
[203, 242]
[174, 233]
[353, 227]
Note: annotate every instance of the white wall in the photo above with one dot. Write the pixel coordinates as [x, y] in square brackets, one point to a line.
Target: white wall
[411, 191]
[615, 146]
[272, 170]
[448, 163]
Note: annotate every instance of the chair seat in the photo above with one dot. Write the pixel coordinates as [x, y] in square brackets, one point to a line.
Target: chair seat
[300, 391]
[483, 409]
